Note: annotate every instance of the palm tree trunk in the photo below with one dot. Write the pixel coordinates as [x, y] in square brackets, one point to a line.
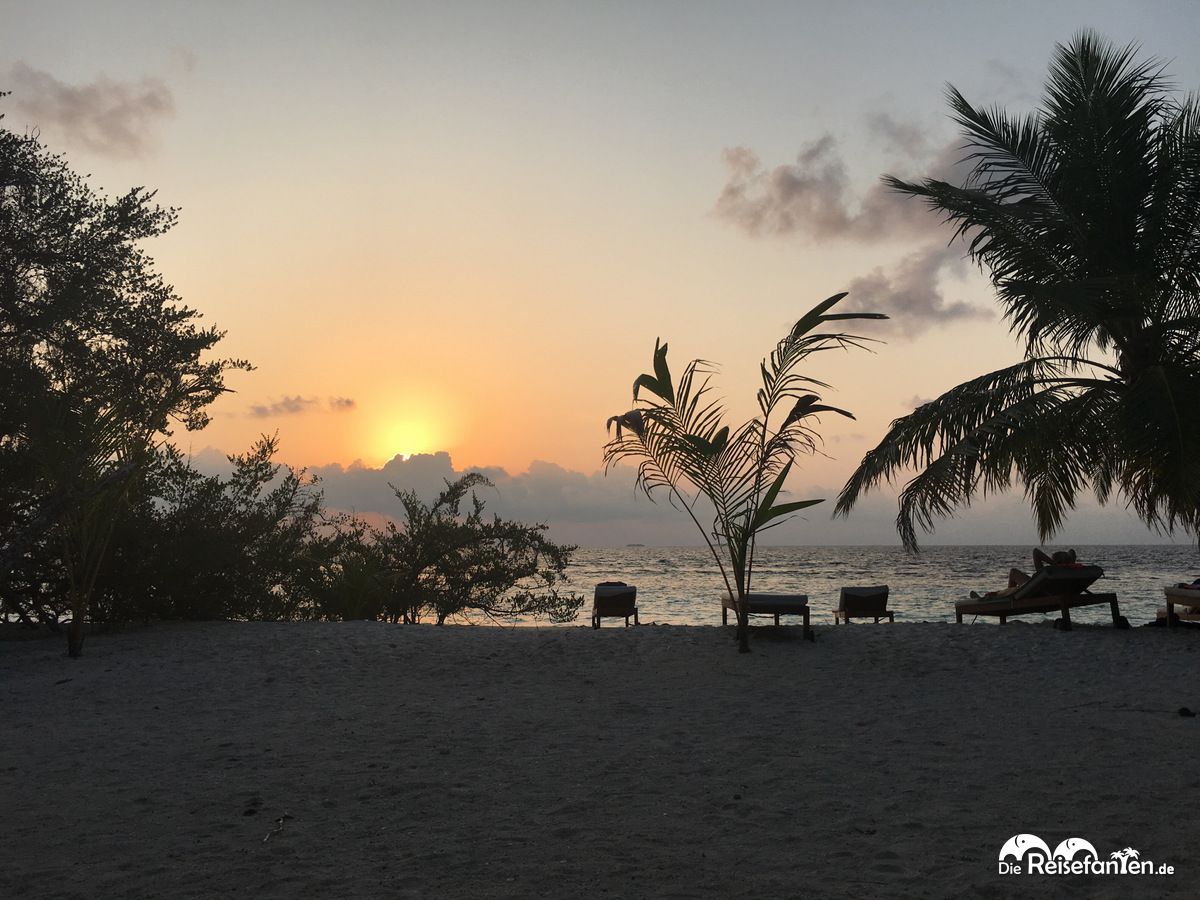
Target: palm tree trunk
[743, 624]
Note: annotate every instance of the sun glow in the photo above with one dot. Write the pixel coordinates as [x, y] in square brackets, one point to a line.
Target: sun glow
[404, 437]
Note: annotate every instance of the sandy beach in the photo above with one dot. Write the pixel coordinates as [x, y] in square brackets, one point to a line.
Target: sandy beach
[347, 760]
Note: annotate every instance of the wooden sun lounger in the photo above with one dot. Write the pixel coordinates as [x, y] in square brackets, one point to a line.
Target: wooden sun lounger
[863, 603]
[768, 605]
[1053, 589]
[614, 599]
[1185, 597]
[1177, 617]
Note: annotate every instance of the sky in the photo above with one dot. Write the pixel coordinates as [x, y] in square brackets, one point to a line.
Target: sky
[448, 234]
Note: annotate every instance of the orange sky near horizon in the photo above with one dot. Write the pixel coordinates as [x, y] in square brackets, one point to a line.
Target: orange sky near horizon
[473, 221]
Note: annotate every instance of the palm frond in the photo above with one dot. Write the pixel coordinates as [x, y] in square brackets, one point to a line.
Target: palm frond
[1086, 215]
[916, 440]
[676, 437]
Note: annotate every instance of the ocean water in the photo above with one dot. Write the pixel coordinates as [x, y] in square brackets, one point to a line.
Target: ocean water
[682, 586]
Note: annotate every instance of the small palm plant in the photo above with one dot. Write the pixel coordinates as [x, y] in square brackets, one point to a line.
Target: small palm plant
[676, 436]
[94, 465]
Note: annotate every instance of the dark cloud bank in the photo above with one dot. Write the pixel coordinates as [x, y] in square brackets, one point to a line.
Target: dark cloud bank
[598, 511]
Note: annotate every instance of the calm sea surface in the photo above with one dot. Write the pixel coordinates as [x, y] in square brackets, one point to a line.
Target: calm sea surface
[681, 585]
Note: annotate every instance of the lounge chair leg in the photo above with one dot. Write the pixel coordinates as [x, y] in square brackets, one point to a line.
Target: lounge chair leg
[1172, 619]
[808, 632]
[724, 615]
[1116, 614]
[1066, 618]
[958, 617]
[1004, 620]
[776, 618]
[635, 618]
[595, 621]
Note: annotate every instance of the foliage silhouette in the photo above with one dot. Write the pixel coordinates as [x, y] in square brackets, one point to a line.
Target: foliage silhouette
[676, 436]
[97, 356]
[446, 562]
[194, 546]
[1086, 216]
[102, 518]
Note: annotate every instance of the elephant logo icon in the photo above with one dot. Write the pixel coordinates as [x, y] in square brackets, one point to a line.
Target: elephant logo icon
[1020, 844]
[1072, 846]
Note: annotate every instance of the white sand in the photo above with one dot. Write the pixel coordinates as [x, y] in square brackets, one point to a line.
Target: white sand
[654, 762]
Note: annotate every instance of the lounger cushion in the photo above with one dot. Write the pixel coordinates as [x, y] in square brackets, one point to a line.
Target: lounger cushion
[777, 601]
[972, 601]
[608, 589]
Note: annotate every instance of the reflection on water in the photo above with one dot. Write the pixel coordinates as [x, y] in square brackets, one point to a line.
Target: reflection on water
[682, 585]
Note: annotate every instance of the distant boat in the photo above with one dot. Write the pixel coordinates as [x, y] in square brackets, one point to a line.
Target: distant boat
[635, 545]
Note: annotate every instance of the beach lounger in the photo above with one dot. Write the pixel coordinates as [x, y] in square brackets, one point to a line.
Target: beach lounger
[1052, 589]
[770, 605]
[863, 603]
[614, 599]
[1188, 597]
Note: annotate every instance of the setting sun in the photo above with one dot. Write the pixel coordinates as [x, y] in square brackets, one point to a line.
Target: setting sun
[403, 437]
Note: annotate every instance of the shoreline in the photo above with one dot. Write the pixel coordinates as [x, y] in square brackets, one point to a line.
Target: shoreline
[336, 759]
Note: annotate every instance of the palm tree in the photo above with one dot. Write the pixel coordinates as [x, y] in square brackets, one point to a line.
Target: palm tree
[1087, 216]
[676, 437]
[95, 464]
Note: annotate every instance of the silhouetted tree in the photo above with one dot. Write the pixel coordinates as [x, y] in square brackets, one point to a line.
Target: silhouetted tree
[1087, 216]
[249, 545]
[677, 439]
[93, 345]
[445, 561]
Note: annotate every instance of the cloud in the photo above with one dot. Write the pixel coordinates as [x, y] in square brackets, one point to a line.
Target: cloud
[906, 139]
[546, 491]
[183, 60]
[1007, 84]
[918, 154]
[588, 509]
[917, 400]
[290, 406]
[812, 197]
[853, 437]
[594, 510]
[107, 117]
[912, 295]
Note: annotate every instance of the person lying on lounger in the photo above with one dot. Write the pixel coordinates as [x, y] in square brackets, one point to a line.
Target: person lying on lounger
[1016, 577]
